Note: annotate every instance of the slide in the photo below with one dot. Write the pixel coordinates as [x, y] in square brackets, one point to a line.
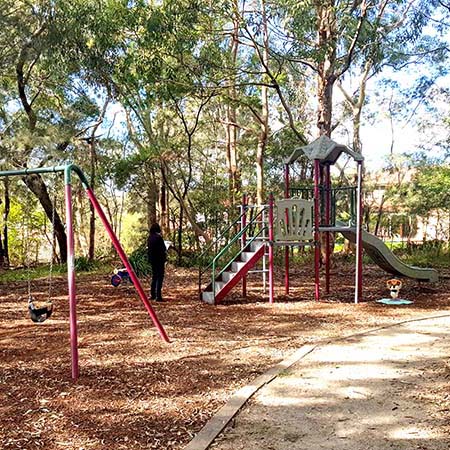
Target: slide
[383, 257]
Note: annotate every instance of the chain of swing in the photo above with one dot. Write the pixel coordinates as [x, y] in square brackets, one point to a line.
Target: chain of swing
[39, 313]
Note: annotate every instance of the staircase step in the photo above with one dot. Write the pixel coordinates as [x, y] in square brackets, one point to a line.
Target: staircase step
[208, 297]
[227, 276]
[236, 266]
[219, 285]
[256, 245]
[245, 256]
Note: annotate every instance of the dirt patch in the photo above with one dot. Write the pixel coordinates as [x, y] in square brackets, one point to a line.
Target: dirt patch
[135, 391]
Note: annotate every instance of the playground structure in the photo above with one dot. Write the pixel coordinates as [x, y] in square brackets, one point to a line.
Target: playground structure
[306, 214]
[67, 171]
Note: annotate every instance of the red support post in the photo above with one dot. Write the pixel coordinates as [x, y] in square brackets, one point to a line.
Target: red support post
[316, 229]
[71, 282]
[127, 264]
[286, 248]
[271, 236]
[244, 239]
[327, 220]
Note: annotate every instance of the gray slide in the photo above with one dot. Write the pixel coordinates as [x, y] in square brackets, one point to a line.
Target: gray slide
[383, 257]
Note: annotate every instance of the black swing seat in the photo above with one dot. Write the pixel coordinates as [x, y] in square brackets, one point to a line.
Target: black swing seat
[41, 314]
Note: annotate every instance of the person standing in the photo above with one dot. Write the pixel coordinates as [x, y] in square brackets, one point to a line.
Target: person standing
[157, 255]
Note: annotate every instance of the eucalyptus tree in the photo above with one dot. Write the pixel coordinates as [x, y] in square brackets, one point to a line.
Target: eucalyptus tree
[330, 38]
[162, 77]
[400, 36]
[47, 106]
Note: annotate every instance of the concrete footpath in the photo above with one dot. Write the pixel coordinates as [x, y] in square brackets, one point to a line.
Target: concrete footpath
[384, 389]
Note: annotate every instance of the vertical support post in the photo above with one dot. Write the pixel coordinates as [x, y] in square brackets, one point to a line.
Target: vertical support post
[359, 248]
[244, 239]
[271, 236]
[71, 277]
[126, 263]
[328, 223]
[286, 248]
[264, 238]
[316, 229]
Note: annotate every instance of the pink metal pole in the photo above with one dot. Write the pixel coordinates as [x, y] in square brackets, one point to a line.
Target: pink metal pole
[244, 239]
[316, 229]
[271, 268]
[359, 247]
[286, 249]
[71, 283]
[327, 220]
[127, 264]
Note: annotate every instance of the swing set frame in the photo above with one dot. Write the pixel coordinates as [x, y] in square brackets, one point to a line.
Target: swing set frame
[68, 169]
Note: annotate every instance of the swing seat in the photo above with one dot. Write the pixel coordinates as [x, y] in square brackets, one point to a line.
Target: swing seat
[39, 314]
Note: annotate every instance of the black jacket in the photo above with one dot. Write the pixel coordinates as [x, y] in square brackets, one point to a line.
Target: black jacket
[156, 249]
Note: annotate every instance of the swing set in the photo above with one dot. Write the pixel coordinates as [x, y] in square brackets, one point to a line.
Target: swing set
[41, 313]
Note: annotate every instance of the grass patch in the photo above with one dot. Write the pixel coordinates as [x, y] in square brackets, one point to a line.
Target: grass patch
[43, 271]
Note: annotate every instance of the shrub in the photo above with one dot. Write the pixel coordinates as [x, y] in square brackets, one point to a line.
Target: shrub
[83, 264]
[139, 261]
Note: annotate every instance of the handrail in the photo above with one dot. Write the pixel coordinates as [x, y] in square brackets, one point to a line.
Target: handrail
[213, 264]
[214, 275]
[233, 240]
[216, 240]
[336, 193]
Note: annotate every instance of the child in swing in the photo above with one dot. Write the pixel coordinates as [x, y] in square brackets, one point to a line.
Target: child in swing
[157, 255]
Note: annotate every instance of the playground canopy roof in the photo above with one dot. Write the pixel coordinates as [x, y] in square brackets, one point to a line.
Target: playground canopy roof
[325, 150]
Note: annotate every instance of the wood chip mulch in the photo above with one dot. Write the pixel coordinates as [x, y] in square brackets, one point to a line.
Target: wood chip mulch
[137, 392]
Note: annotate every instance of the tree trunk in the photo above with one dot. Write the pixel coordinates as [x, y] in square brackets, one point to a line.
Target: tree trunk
[379, 215]
[79, 217]
[36, 185]
[93, 174]
[183, 204]
[164, 213]
[152, 200]
[180, 235]
[327, 40]
[263, 122]
[5, 223]
[231, 120]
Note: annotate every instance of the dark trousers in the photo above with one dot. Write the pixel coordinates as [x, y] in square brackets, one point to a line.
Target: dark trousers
[157, 281]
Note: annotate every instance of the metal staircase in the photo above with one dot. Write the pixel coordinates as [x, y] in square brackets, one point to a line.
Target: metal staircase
[239, 255]
[216, 290]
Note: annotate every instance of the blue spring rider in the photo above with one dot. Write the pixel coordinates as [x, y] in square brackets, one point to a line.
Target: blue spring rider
[120, 275]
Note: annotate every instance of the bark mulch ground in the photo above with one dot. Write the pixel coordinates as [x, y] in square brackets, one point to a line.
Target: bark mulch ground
[135, 391]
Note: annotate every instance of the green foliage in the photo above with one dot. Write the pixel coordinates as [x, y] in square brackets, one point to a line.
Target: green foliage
[26, 227]
[429, 254]
[83, 264]
[427, 191]
[23, 274]
[171, 66]
[139, 261]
